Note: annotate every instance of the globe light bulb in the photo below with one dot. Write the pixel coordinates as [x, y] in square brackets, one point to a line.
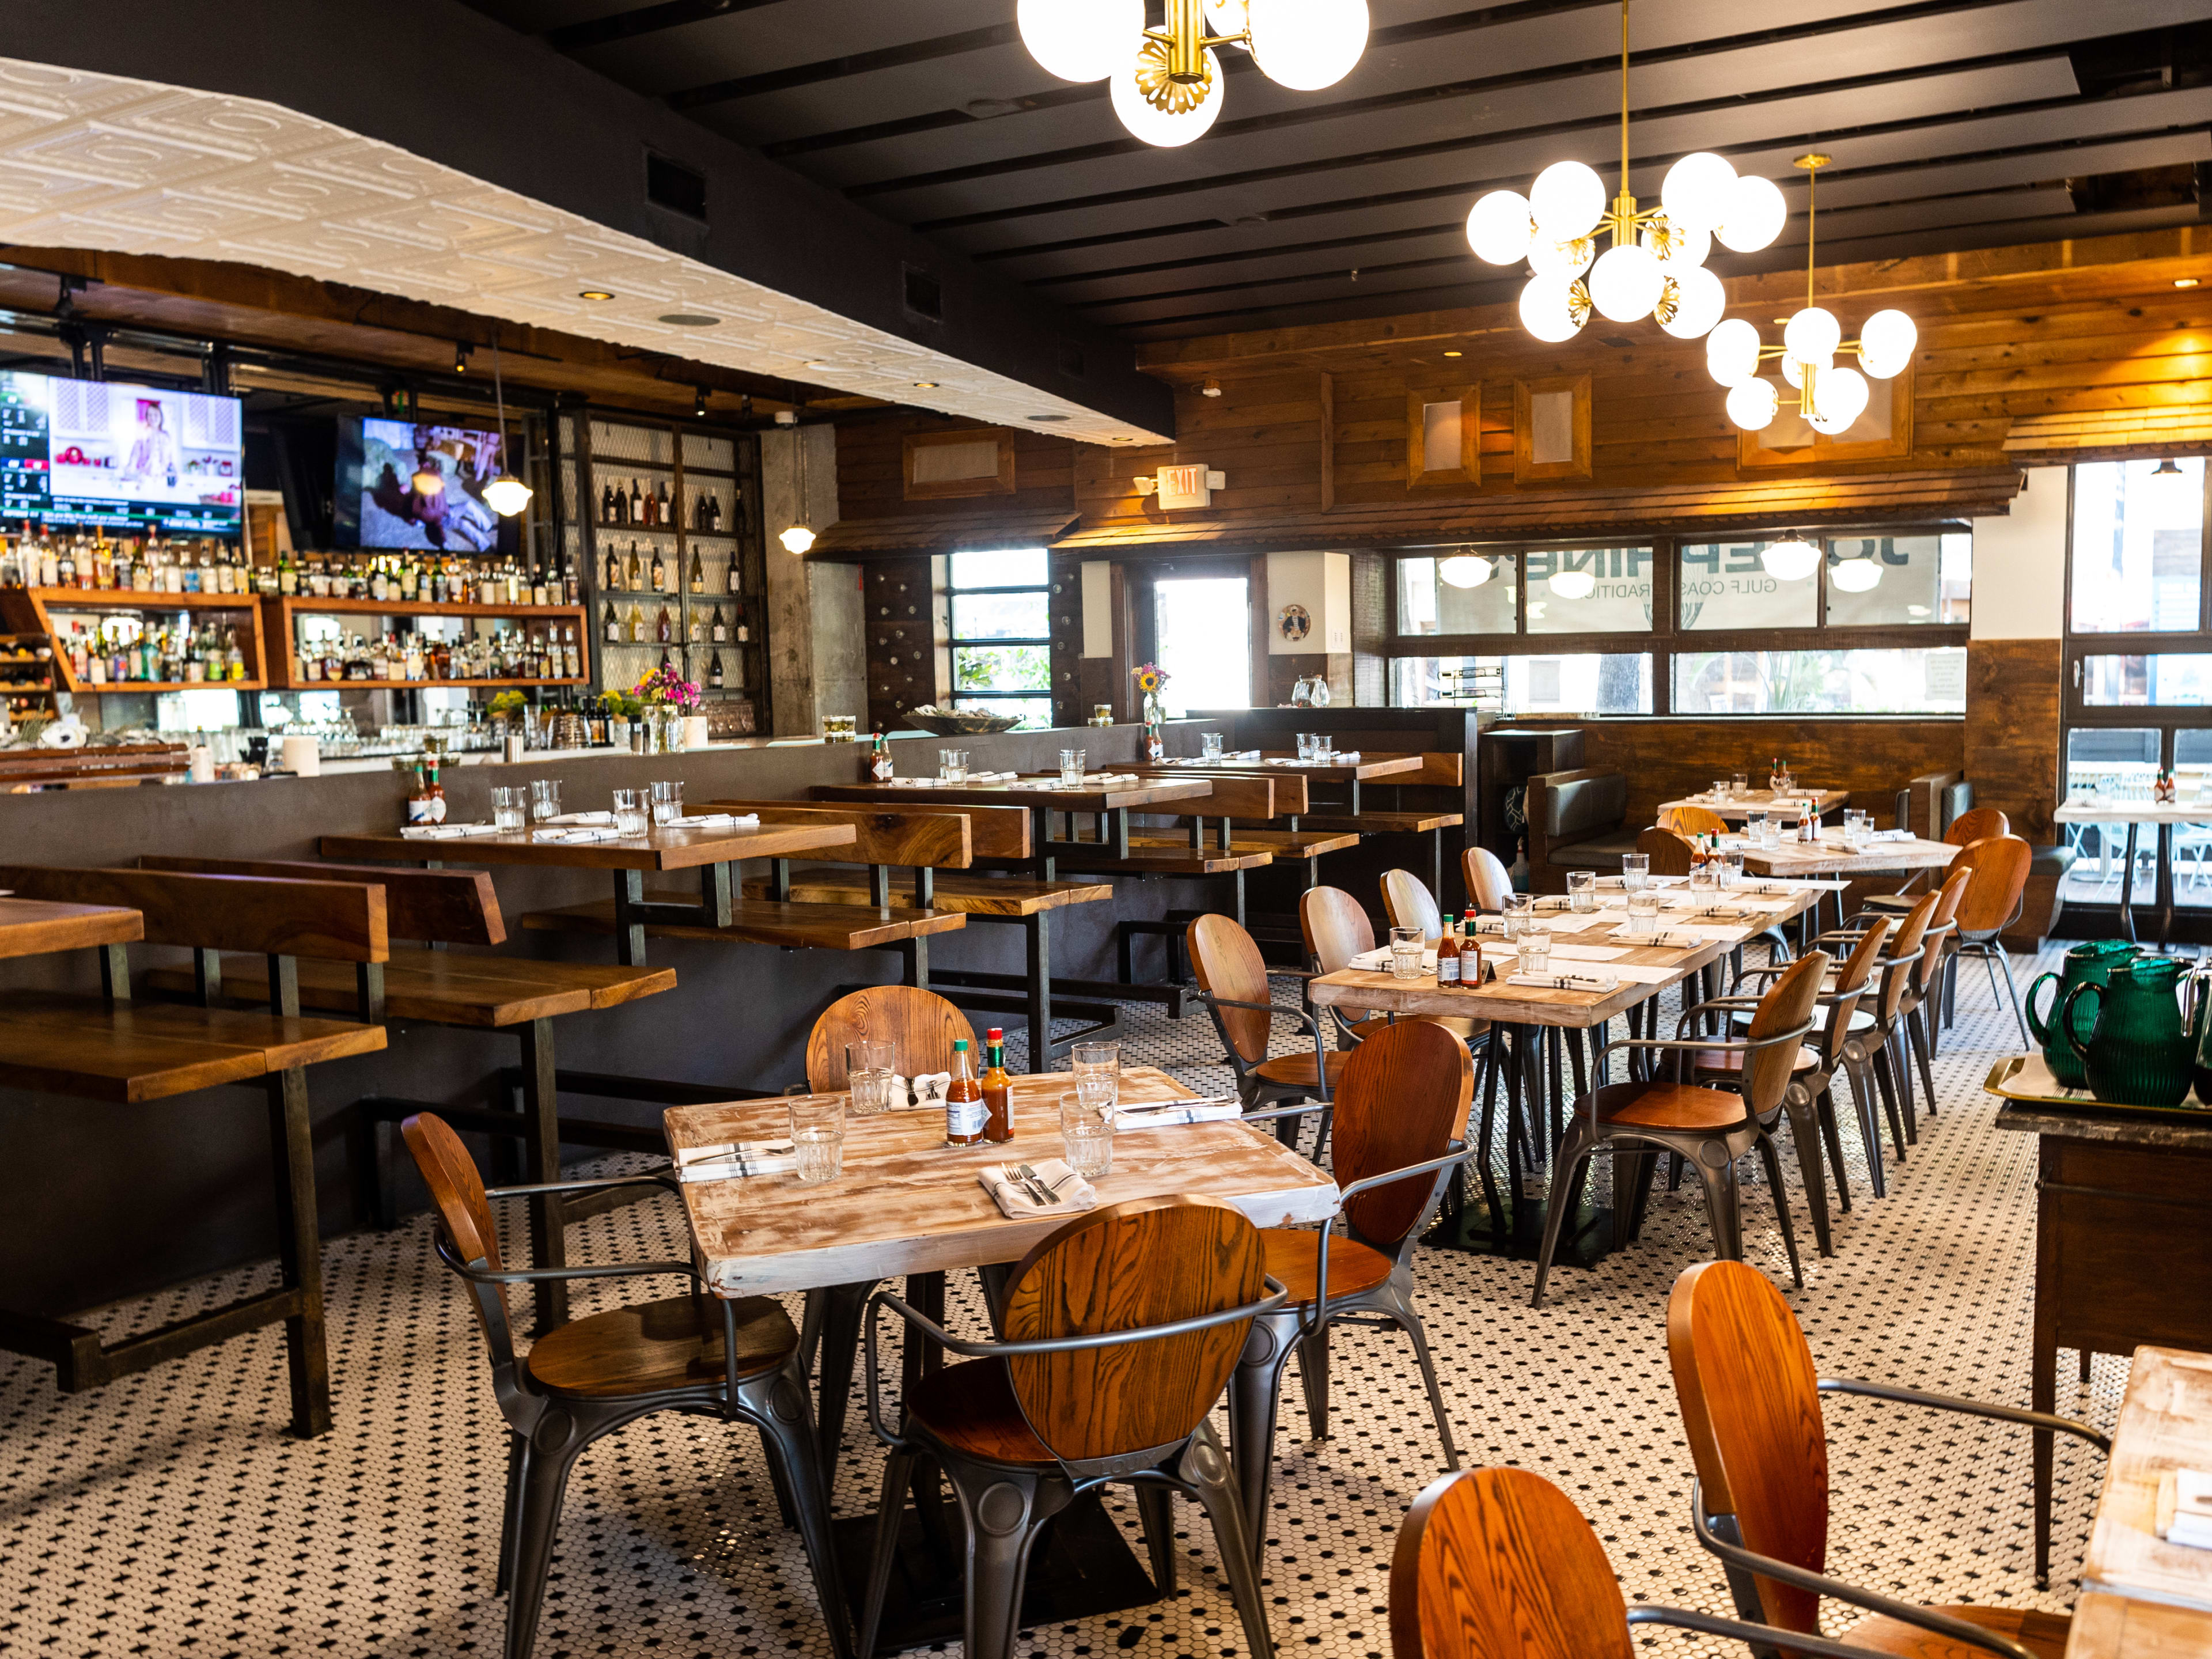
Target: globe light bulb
[1548, 309]
[1499, 227]
[1568, 200]
[1082, 39]
[1699, 190]
[1756, 214]
[1568, 259]
[1698, 298]
[1791, 559]
[1572, 584]
[1158, 126]
[1886, 342]
[1855, 575]
[1752, 404]
[508, 495]
[1464, 570]
[1839, 395]
[1812, 335]
[1226, 17]
[1732, 353]
[1685, 245]
[1307, 45]
[1625, 282]
[1793, 368]
[797, 540]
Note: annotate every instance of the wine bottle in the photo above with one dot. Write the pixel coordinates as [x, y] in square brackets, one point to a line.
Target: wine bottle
[637, 626]
[719, 630]
[636, 572]
[607, 504]
[659, 571]
[660, 509]
[743, 627]
[665, 630]
[714, 672]
[698, 573]
[637, 503]
[614, 625]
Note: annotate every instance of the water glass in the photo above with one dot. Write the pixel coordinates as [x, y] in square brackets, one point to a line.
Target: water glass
[1720, 789]
[1406, 949]
[1754, 827]
[544, 798]
[1731, 867]
[1770, 831]
[629, 813]
[667, 802]
[1071, 768]
[1741, 784]
[817, 1136]
[1581, 889]
[1535, 954]
[1210, 746]
[1520, 910]
[1857, 827]
[1305, 746]
[1644, 912]
[1087, 1137]
[866, 1055]
[952, 766]
[1324, 745]
[871, 1091]
[1098, 1067]
[1635, 870]
[509, 804]
[1703, 877]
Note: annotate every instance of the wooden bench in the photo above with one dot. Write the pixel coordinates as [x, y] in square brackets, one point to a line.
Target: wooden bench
[442, 987]
[1179, 862]
[112, 1047]
[1304, 846]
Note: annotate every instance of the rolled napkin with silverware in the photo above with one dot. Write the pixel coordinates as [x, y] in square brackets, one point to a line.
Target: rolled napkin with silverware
[447, 831]
[1218, 1108]
[580, 818]
[1666, 938]
[728, 1160]
[717, 821]
[1026, 1190]
[1566, 981]
[927, 1090]
[581, 832]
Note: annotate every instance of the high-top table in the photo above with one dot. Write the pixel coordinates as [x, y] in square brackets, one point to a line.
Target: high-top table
[36, 927]
[1349, 770]
[2165, 815]
[1109, 804]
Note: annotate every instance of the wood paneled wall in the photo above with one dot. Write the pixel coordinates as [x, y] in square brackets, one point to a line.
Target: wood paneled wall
[2013, 696]
[871, 469]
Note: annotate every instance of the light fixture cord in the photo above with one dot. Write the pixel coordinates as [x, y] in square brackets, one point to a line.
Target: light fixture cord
[1624, 97]
[499, 392]
[1812, 226]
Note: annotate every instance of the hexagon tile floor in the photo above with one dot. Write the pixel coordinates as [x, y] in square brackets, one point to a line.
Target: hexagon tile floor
[168, 1514]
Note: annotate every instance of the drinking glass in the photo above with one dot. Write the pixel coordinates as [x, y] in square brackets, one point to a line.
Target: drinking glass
[1581, 889]
[1407, 946]
[1755, 826]
[1731, 867]
[871, 1058]
[1720, 789]
[1211, 743]
[667, 802]
[952, 765]
[508, 806]
[1644, 912]
[1857, 826]
[817, 1137]
[1097, 1068]
[1071, 768]
[1536, 956]
[871, 1091]
[1324, 745]
[1305, 746]
[1741, 784]
[1635, 870]
[1770, 831]
[544, 798]
[1519, 911]
[1703, 877]
[1087, 1137]
[629, 813]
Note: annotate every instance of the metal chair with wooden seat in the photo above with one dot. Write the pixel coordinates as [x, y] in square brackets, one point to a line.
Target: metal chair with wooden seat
[1337, 931]
[1232, 979]
[1710, 1128]
[1408, 903]
[698, 1353]
[1401, 1114]
[1693, 821]
[1120, 1332]
[1669, 852]
[1990, 904]
[1751, 1405]
[1489, 884]
[1975, 823]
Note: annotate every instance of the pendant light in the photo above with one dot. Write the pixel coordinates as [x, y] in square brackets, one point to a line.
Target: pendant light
[508, 494]
[799, 537]
[1791, 559]
[1855, 576]
[1572, 584]
[1655, 267]
[1829, 397]
[1464, 570]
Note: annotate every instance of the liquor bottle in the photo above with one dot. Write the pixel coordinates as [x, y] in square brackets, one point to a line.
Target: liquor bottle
[698, 573]
[614, 571]
[665, 630]
[714, 672]
[1448, 955]
[660, 506]
[636, 572]
[719, 630]
[965, 1115]
[659, 572]
[538, 595]
[695, 629]
[614, 625]
[734, 581]
[607, 504]
[637, 503]
[998, 1088]
[571, 588]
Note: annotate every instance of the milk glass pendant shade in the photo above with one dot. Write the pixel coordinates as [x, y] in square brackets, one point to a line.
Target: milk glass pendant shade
[1226, 16]
[1567, 199]
[1464, 570]
[1698, 191]
[1699, 298]
[1812, 335]
[508, 495]
[1686, 246]
[1567, 260]
[1752, 404]
[1886, 341]
[1572, 584]
[1791, 560]
[1498, 228]
[1855, 575]
[1081, 39]
[1732, 353]
[1307, 45]
[1756, 214]
[797, 540]
[1840, 396]
[1625, 282]
[1547, 309]
[1159, 127]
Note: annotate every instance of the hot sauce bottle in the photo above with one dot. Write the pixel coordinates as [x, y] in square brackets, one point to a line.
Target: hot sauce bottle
[998, 1088]
[1448, 958]
[965, 1114]
[1470, 961]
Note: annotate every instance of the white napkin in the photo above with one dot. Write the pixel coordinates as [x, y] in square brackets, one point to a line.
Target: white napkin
[911, 783]
[1567, 981]
[1071, 1191]
[1890, 834]
[1111, 777]
[927, 1090]
[1666, 939]
[582, 832]
[1177, 1111]
[729, 1159]
[1613, 883]
[447, 831]
[580, 818]
[717, 821]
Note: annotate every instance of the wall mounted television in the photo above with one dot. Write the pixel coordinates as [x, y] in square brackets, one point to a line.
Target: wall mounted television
[377, 502]
[132, 458]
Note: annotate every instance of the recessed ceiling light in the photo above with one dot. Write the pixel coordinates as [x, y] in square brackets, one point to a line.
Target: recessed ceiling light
[593, 294]
[2185, 282]
[1048, 418]
[689, 320]
[1451, 354]
[925, 386]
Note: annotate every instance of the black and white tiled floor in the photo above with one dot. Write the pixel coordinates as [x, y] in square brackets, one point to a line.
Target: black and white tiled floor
[168, 1513]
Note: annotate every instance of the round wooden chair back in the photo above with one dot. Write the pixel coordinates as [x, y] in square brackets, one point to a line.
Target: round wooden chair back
[1498, 1564]
[1750, 1402]
[1852, 976]
[1906, 949]
[1998, 868]
[1943, 922]
[1404, 1096]
[1788, 1003]
[1227, 963]
[1140, 1262]
[1668, 853]
[1975, 823]
[1488, 885]
[1336, 929]
[1693, 821]
[1408, 903]
[921, 1025]
[457, 1192]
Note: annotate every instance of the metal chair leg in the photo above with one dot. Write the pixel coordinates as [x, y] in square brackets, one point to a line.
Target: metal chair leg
[1884, 1075]
[1863, 1105]
[1254, 1395]
[1204, 1471]
[1805, 1137]
[518, 1450]
[1772, 1161]
[1724, 1204]
[1156, 1509]
[775, 1404]
[1566, 1177]
[999, 1554]
[1410, 1322]
[1916, 1033]
[544, 1481]
[1313, 1380]
[1832, 1136]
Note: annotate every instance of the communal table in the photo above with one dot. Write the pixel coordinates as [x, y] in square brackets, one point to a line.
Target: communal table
[709, 851]
[1832, 855]
[1348, 770]
[1110, 803]
[36, 927]
[2165, 815]
[1736, 808]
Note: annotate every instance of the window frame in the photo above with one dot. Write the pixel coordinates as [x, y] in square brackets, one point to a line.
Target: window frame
[1666, 639]
[2139, 643]
[954, 642]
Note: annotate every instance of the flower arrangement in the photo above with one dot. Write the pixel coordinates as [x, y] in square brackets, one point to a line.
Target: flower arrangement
[664, 688]
[508, 702]
[1150, 678]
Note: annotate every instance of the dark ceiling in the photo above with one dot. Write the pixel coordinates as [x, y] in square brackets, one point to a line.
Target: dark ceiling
[1954, 124]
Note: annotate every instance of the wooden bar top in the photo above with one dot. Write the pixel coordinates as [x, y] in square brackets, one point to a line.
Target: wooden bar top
[35, 928]
[1022, 792]
[657, 848]
[2166, 1424]
[907, 1203]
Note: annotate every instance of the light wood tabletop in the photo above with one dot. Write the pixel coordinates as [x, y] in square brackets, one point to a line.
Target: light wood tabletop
[1831, 856]
[2166, 1424]
[907, 1204]
[1738, 807]
[1043, 793]
[658, 849]
[35, 928]
[2107, 1626]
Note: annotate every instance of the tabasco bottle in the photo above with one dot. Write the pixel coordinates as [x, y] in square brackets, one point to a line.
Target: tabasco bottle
[998, 1088]
[1448, 959]
[1470, 957]
[965, 1114]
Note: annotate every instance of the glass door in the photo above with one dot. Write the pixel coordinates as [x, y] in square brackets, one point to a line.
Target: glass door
[1202, 636]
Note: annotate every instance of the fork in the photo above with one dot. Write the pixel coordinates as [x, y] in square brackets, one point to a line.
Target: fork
[1029, 1178]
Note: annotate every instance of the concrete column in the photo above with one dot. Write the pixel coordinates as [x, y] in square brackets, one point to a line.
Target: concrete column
[818, 646]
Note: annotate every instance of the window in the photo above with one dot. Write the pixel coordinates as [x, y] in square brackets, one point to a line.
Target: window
[1907, 682]
[1001, 635]
[1586, 683]
[2138, 547]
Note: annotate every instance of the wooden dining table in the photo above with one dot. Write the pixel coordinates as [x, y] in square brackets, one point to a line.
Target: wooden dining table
[1344, 769]
[36, 927]
[1109, 804]
[1736, 808]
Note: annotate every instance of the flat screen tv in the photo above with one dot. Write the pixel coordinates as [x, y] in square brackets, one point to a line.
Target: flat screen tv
[381, 498]
[124, 458]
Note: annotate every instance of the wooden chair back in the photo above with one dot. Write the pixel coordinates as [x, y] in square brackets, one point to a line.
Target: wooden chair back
[1996, 868]
[457, 1192]
[1408, 903]
[1403, 1098]
[1905, 948]
[1140, 1262]
[1852, 977]
[1498, 1564]
[327, 920]
[930, 837]
[1693, 821]
[1788, 1003]
[1441, 769]
[1750, 1402]
[1336, 929]
[922, 1025]
[1227, 963]
[1942, 924]
[1488, 885]
[1977, 823]
[1668, 853]
[446, 907]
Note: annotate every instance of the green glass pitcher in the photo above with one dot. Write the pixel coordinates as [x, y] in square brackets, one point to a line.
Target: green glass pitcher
[2142, 1047]
[2085, 964]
